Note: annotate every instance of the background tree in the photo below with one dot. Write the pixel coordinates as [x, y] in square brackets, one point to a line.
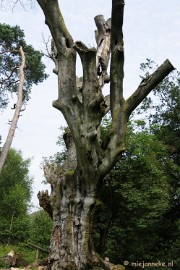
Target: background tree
[15, 186]
[12, 75]
[17, 107]
[162, 120]
[11, 38]
[75, 185]
[40, 229]
[136, 197]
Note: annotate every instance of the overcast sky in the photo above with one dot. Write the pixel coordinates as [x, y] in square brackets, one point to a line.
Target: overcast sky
[151, 30]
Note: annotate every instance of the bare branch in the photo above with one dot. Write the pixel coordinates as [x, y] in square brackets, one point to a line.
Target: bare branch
[55, 21]
[148, 84]
[47, 42]
[116, 145]
[18, 107]
[53, 55]
[8, 76]
[10, 51]
[15, 4]
[25, 4]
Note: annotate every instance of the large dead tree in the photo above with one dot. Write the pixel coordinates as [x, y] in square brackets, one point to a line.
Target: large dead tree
[75, 185]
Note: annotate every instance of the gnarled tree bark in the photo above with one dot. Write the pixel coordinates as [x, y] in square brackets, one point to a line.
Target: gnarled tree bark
[75, 184]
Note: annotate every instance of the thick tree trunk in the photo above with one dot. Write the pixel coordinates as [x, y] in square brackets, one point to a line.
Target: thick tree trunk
[73, 206]
[71, 246]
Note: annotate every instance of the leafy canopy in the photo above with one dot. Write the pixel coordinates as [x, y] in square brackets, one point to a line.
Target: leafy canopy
[162, 109]
[15, 187]
[40, 226]
[11, 38]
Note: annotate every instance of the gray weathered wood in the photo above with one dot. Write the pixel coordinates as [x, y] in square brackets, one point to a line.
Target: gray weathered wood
[74, 185]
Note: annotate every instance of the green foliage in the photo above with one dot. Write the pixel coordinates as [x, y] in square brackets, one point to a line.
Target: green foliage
[164, 114]
[11, 38]
[135, 197]
[15, 186]
[139, 216]
[40, 229]
[166, 120]
[4, 264]
[163, 118]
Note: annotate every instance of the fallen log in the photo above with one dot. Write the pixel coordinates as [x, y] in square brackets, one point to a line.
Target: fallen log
[37, 247]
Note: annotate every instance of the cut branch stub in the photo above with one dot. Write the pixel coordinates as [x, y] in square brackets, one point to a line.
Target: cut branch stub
[90, 87]
[88, 56]
[103, 39]
[44, 202]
